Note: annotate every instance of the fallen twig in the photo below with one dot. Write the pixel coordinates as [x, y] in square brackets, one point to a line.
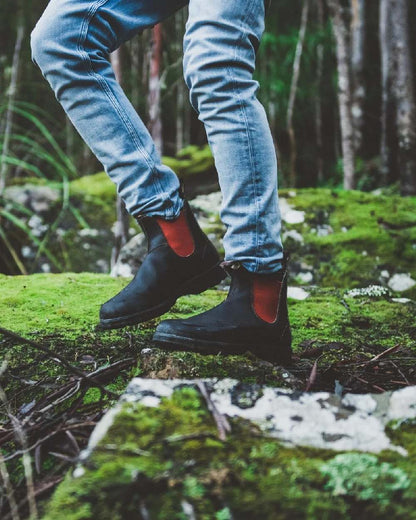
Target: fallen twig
[384, 354]
[59, 359]
[312, 376]
[221, 421]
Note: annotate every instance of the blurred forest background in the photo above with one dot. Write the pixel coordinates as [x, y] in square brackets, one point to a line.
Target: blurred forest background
[337, 80]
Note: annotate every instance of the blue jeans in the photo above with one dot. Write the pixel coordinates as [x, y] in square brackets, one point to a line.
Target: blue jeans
[71, 43]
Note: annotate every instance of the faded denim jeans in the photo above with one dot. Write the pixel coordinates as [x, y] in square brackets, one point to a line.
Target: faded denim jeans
[71, 43]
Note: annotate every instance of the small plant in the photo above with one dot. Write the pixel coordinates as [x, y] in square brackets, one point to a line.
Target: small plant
[363, 477]
[372, 291]
[36, 143]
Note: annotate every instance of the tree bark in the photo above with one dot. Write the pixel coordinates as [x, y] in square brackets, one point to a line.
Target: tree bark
[357, 71]
[388, 102]
[121, 232]
[155, 120]
[293, 90]
[398, 141]
[404, 88]
[318, 98]
[340, 28]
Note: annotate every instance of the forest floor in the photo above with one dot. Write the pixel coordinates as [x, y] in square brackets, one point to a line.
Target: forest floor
[354, 331]
[342, 343]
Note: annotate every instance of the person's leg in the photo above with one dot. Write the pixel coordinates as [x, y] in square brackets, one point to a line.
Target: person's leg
[220, 48]
[71, 43]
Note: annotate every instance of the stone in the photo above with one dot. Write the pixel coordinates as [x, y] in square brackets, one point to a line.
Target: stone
[210, 204]
[297, 293]
[305, 277]
[40, 199]
[290, 215]
[324, 230]
[131, 257]
[293, 235]
[401, 282]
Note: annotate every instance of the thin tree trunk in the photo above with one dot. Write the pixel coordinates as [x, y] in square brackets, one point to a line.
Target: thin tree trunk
[10, 103]
[405, 99]
[357, 71]
[388, 166]
[135, 53]
[293, 91]
[180, 102]
[122, 225]
[318, 99]
[155, 120]
[69, 137]
[340, 28]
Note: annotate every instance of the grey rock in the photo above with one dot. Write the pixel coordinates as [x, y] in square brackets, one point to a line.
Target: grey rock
[293, 235]
[401, 282]
[305, 277]
[290, 215]
[297, 293]
[324, 230]
[210, 204]
[131, 257]
[40, 199]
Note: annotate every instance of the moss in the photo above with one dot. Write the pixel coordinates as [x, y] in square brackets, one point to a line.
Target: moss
[66, 303]
[63, 310]
[94, 196]
[370, 233]
[190, 161]
[97, 186]
[363, 477]
[171, 454]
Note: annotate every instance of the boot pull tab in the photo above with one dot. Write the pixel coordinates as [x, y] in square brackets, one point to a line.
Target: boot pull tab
[266, 297]
[178, 235]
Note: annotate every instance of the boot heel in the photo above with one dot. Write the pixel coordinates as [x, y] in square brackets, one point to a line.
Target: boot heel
[280, 353]
[205, 280]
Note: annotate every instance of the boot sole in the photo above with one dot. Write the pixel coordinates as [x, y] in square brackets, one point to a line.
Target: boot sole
[196, 285]
[281, 355]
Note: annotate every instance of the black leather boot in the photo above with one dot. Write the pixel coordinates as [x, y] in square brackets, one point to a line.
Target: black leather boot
[180, 260]
[253, 318]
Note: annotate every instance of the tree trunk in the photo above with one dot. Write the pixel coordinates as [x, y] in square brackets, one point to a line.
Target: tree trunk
[404, 88]
[121, 232]
[318, 98]
[340, 28]
[357, 71]
[10, 103]
[388, 166]
[398, 143]
[155, 120]
[181, 90]
[293, 90]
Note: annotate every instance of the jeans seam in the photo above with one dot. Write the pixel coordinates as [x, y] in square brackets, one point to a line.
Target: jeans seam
[109, 94]
[248, 134]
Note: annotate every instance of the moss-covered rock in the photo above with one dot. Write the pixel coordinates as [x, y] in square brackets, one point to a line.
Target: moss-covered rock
[351, 239]
[166, 460]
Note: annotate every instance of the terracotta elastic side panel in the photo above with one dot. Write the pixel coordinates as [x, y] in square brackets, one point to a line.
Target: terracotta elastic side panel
[266, 294]
[178, 235]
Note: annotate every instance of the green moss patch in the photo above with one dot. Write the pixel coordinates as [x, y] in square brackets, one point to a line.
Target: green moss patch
[367, 234]
[340, 333]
